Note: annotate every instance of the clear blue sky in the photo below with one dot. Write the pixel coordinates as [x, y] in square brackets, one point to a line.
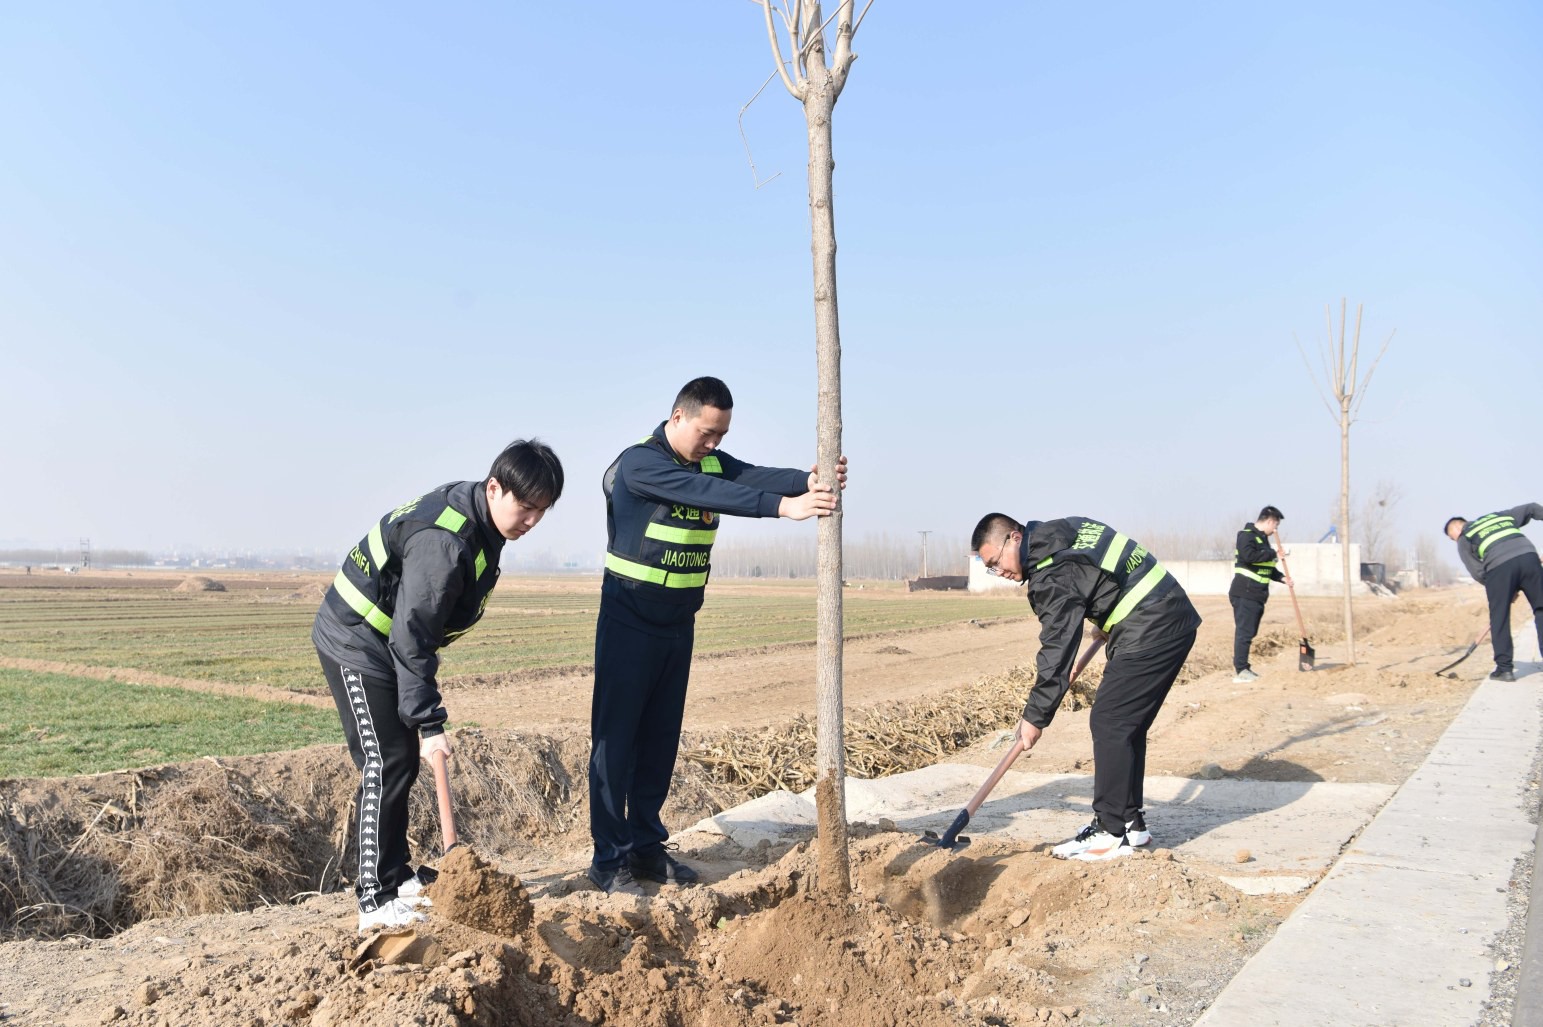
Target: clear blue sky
[268, 269]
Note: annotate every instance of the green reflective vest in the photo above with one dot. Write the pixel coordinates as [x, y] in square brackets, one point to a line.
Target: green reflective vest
[1487, 529]
[675, 547]
[364, 590]
[1135, 570]
[1259, 571]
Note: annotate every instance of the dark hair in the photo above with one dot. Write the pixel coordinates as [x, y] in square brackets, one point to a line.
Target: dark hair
[1451, 521]
[1270, 513]
[702, 392]
[530, 470]
[989, 525]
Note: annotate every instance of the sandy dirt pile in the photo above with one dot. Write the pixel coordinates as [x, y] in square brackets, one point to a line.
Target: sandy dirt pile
[199, 583]
[985, 936]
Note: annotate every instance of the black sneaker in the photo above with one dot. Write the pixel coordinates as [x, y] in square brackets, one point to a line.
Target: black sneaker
[1503, 675]
[615, 881]
[662, 867]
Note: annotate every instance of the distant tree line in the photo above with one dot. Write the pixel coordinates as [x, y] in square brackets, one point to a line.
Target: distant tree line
[71, 557]
[874, 557]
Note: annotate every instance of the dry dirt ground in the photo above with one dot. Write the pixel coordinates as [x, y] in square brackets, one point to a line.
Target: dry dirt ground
[998, 934]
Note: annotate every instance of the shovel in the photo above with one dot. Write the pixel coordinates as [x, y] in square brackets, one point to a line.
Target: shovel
[440, 762]
[951, 839]
[1304, 650]
[1476, 643]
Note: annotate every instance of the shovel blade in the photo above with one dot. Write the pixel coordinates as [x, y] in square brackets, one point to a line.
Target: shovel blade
[1305, 655]
[950, 839]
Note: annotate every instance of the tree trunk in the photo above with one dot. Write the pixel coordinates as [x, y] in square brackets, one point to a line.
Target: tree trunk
[835, 877]
[1344, 526]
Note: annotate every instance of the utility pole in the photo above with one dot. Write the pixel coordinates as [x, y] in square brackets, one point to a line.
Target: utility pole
[924, 535]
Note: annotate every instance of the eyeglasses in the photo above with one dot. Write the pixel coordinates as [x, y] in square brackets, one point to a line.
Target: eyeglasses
[991, 564]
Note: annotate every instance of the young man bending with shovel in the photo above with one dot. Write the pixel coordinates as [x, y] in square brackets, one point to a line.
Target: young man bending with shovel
[418, 581]
[1505, 562]
[1077, 570]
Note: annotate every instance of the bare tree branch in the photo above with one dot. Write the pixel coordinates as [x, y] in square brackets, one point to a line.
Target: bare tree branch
[756, 175]
[1367, 381]
[842, 62]
[859, 22]
[771, 33]
[1312, 377]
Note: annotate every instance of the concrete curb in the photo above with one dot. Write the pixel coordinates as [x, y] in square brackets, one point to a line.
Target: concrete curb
[1398, 932]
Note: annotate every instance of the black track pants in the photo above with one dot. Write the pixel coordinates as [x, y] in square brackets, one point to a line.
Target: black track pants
[635, 719]
[386, 752]
[1246, 614]
[1523, 574]
[1132, 691]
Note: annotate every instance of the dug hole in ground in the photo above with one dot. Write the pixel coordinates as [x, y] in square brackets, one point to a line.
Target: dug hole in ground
[999, 933]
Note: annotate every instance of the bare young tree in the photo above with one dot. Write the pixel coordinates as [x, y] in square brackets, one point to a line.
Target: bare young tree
[815, 77]
[1340, 364]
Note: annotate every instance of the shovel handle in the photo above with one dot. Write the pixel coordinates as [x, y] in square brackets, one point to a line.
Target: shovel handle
[1286, 570]
[1017, 750]
[440, 762]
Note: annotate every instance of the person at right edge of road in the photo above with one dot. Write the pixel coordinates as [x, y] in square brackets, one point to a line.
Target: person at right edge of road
[1505, 562]
[1080, 569]
[1253, 570]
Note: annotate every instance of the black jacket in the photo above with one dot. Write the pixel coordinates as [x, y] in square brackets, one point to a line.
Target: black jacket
[433, 593]
[1250, 551]
[1498, 536]
[647, 475]
[1066, 589]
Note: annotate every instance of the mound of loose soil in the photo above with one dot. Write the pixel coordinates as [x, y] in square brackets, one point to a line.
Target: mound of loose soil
[470, 891]
[989, 936]
[199, 583]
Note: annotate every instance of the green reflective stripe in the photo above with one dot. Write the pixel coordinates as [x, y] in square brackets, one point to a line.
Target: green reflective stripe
[1046, 562]
[1245, 572]
[1116, 547]
[450, 519]
[653, 575]
[482, 563]
[377, 547]
[681, 536]
[1135, 595]
[1484, 521]
[1499, 534]
[361, 604]
[635, 571]
[711, 465]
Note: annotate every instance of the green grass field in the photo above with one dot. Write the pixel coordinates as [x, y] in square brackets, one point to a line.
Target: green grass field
[55, 724]
[259, 632]
[249, 636]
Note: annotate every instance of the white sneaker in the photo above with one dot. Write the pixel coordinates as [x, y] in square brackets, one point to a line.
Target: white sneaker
[395, 913]
[1104, 845]
[1078, 842]
[413, 891]
[1136, 830]
[1244, 676]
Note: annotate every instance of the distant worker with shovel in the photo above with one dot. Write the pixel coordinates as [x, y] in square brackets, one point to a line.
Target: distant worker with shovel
[1505, 562]
[418, 581]
[1079, 569]
[1252, 571]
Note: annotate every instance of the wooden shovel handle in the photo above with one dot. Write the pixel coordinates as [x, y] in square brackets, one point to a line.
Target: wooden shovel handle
[1017, 750]
[1286, 570]
[440, 762]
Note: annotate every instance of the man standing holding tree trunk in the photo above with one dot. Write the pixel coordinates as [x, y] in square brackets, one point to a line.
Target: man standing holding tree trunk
[664, 496]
